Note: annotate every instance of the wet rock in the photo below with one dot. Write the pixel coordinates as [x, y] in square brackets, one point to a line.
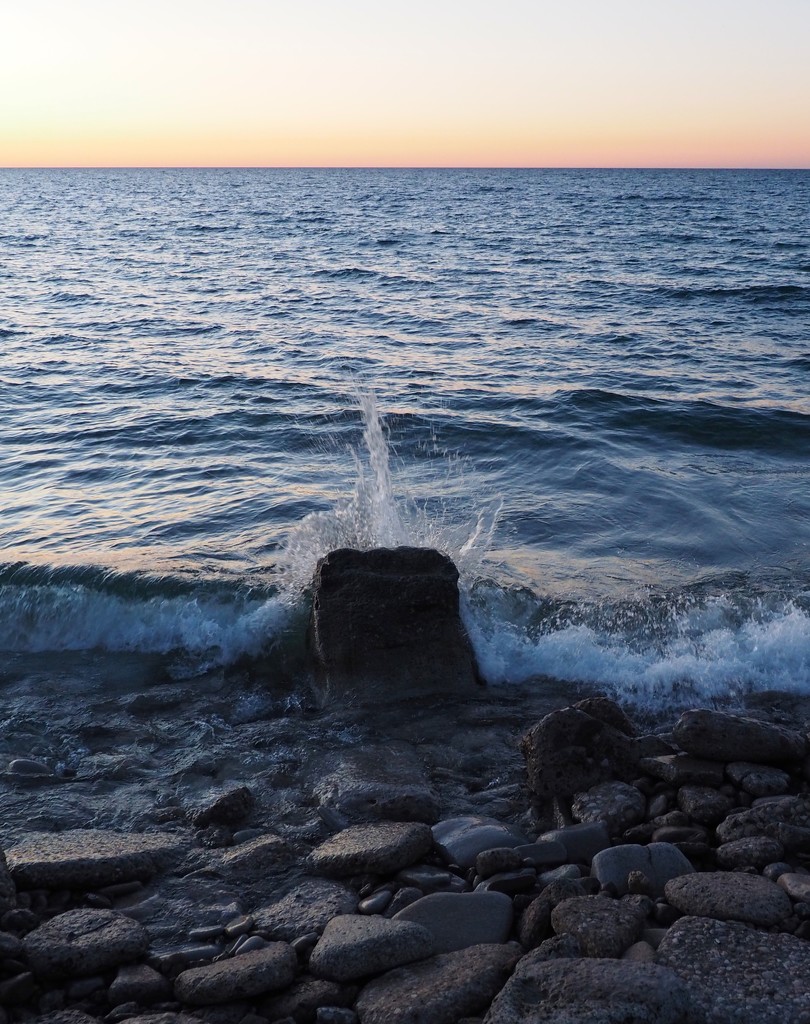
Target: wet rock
[229, 808]
[386, 622]
[240, 977]
[461, 840]
[429, 878]
[603, 927]
[797, 886]
[703, 804]
[402, 898]
[569, 751]
[254, 859]
[83, 942]
[596, 991]
[379, 782]
[439, 990]
[758, 779]
[607, 711]
[719, 736]
[354, 947]
[581, 842]
[307, 908]
[756, 851]
[382, 848]
[542, 854]
[683, 770]
[303, 999]
[139, 983]
[736, 974]
[88, 858]
[729, 896]
[658, 862]
[617, 804]
[501, 858]
[376, 903]
[509, 882]
[459, 920]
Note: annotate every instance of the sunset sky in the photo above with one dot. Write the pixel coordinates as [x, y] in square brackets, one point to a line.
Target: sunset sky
[700, 83]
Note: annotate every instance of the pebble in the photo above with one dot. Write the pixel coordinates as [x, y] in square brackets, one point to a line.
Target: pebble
[376, 903]
[704, 805]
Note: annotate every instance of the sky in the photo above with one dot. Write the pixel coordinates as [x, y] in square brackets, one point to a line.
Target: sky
[497, 83]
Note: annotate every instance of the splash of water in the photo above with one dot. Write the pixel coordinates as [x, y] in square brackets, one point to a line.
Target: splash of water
[379, 514]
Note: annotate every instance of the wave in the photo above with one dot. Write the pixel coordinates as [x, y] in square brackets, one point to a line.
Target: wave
[756, 294]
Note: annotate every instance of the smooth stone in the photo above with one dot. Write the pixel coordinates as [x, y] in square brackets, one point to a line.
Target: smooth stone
[509, 882]
[83, 942]
[683, 770]
[581, 842]
[591, 991]
[758, 779]
[736, 974]
[354, 947]
[459, 920]
[376, 903]
[382, 848]
[796, 885]
[429, 878]
[542, 854]
[241, 977]
[703, 804]
[564, 871]
[658, 862]
[756, 851]
[460, 840]
[729, 896]
[440, 990]
[603, 927]
[139, 983]
[720, 736]
[28, 766]
[307, 908]
[88, 858]
[618, 804]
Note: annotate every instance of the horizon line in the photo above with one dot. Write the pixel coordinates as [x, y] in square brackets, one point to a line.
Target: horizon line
[397, 167]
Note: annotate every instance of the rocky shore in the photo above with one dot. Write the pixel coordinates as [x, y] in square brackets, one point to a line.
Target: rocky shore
[621, 876]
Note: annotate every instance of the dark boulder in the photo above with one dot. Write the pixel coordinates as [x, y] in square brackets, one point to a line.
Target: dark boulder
[386, 622]
[720, 736]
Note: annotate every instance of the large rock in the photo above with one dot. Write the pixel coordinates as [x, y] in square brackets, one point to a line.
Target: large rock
[460, 840]
[355, 946]
[595, 991]
[736, 974]
[440, 990]
[459, 920]
[240, 977]
[379, 849]
[386, 622]
[658, 862]
[723, 737]
[619, 805]
[775, 817]
[602, 926]
[729, 896]
[82, 942]
[307, 908]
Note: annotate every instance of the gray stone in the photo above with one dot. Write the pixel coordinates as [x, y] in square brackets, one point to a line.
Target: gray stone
[556, 874]
[460, 840]
[758, 779]
[719, 736]
[796, 885]
[756, 851]
[607, 711]
[459, 920]
[440, 990]
[703, 804]
[139, 983]
[736, 974]
[581, 842]
[241, 977]
[376, 903]
[386, 622]
[430, 878]
[542, 854]
[619, 805]
[307, 908]
[658, 862]
[596, 991]
[603, 927]
[766, 819]
[83, 942]
[500, 858]
[88, 858]
[386, 782]
[729, 896]
[255, 859]
[382, 848]
[228, 808]
[354, 947]
[683, 770]
[510, 882]
[303, 999]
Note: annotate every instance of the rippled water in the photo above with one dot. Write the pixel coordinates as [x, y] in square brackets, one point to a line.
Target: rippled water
[592, 388]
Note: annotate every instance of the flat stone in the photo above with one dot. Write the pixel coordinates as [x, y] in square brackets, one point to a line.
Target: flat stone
[440, 990]
[83, 942]
[509, 882]
[241, 977]
[758, 779]
[460, 840]
[683, 770]
[729, 896]
[139, 983]
[430, 878]
[354, 946]
[591, 991]
[459, 920]
[88, 858]
[766, 818]
[796, 885]
[307, 908]
[756, 851]
[618, 804]
[545, 853]
[254, 859]
[603, 927]
[658, 862]
[581, 842]
[500, 858]
[386, 781]
[704, 804]
[720, 736]
[736, 974]
[381, 849]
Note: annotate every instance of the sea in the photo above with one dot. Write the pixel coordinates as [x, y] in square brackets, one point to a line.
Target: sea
[591, 388]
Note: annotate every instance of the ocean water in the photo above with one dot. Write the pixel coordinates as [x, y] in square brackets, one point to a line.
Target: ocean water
[591, 388]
